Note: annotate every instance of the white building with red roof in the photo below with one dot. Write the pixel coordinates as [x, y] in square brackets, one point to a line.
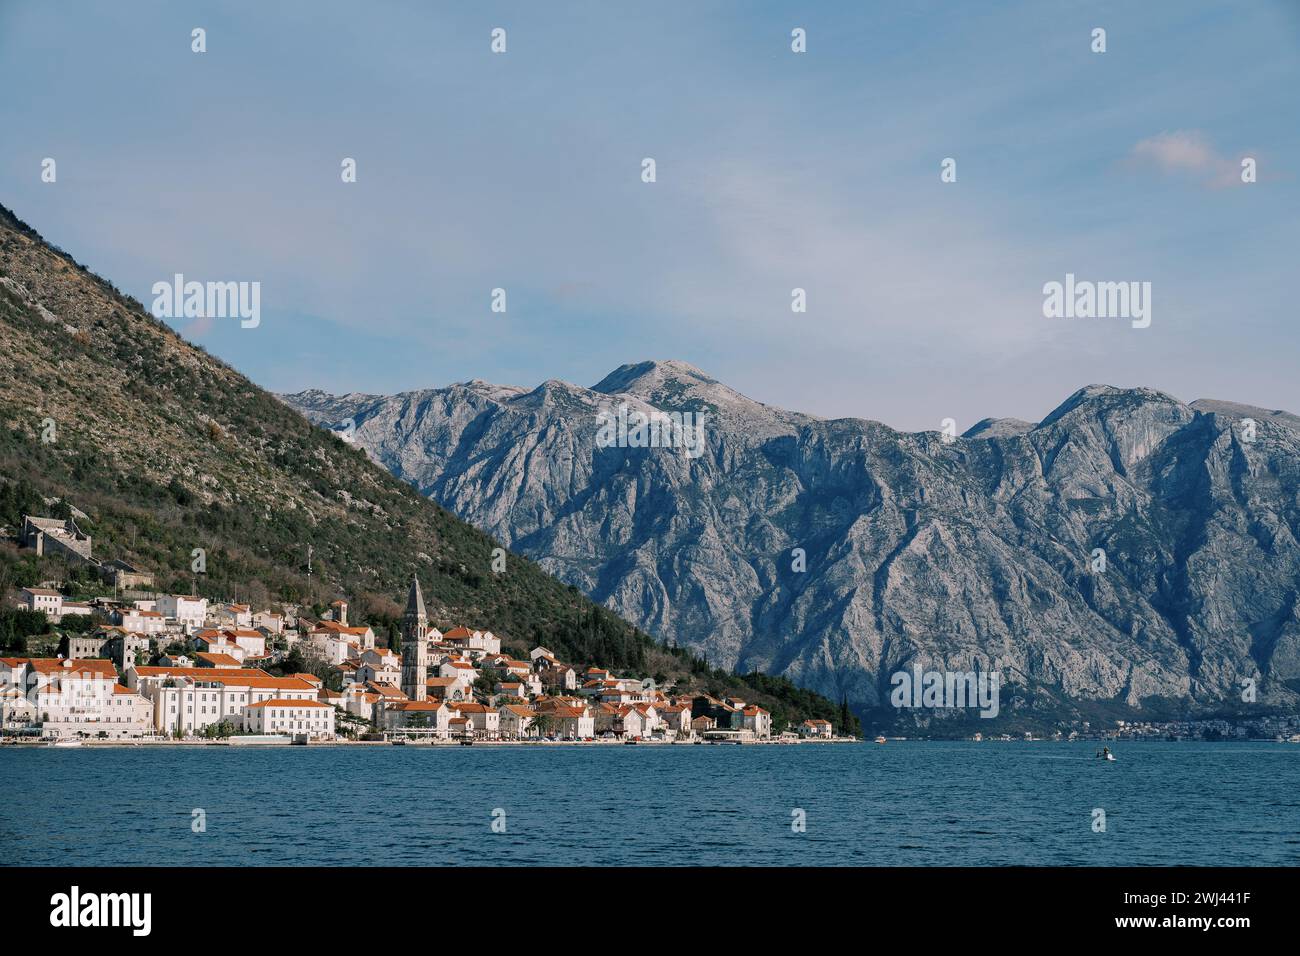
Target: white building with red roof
[187, 611]
[139, 621]
[478, 643]
[269, 621]
[187, 700]
[46, 601]
[816, 727]
[756, 719]
[290, 716]
[515, 721]
[71, 697]
[430, 717]
[283, 715]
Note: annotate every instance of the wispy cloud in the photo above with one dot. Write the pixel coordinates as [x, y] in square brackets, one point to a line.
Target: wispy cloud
[1188, 153]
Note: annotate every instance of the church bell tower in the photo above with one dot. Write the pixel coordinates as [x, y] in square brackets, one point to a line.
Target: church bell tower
[415, 645]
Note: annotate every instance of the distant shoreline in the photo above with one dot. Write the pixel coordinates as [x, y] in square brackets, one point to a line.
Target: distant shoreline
[423, 743]
[316, 744]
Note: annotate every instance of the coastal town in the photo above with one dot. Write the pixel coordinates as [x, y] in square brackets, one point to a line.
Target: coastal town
[174, 667]
[146, 666]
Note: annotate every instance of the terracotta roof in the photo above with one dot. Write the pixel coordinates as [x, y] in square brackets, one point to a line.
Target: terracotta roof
[198, 672]
[281, 702]
[222, 660]
[81, 665]
[408, 705]
[240, 677]
[335, 628]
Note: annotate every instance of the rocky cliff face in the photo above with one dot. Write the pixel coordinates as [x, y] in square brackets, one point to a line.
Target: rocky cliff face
[838, 552]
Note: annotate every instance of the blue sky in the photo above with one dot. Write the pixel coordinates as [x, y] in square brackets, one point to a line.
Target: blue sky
[775, 170]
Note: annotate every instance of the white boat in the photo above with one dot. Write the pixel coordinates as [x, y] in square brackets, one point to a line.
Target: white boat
[65, 742]
[880, 740]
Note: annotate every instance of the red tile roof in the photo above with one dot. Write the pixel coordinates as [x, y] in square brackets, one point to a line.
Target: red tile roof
[281, 702]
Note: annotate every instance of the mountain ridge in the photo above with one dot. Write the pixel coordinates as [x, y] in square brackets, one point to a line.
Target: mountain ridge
[607, 386]
[985, 539]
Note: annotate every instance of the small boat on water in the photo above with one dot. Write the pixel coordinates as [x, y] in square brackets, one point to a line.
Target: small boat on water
[65, 742]
[880, 740]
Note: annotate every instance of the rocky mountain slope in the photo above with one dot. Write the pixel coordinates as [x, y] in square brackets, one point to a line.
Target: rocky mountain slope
[838, 552]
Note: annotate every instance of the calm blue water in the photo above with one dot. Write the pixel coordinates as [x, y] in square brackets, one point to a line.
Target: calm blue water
[903, 803]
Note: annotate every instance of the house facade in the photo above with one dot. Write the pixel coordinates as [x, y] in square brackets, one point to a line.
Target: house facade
[186, 611]
[280, 715]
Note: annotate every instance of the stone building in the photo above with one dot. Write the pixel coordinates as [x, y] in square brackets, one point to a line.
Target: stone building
[56, 536]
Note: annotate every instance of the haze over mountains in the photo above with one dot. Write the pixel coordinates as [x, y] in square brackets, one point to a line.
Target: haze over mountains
[837, 552]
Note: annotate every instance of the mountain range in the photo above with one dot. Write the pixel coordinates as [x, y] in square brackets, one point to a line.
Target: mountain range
[1129, 549]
